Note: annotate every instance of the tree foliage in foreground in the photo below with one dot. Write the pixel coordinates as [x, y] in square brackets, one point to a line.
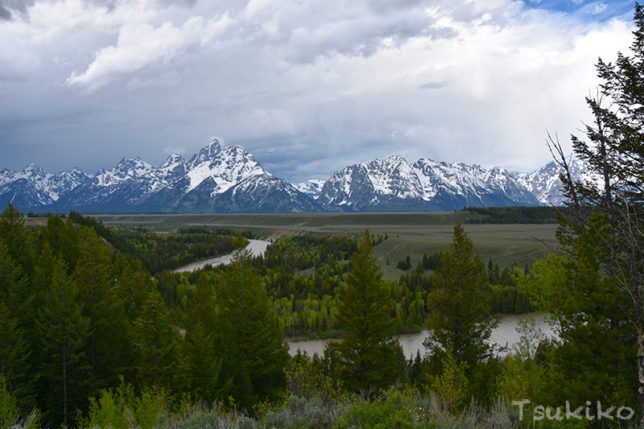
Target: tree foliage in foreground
[368, 357]
[594, 289]
[249, 341]
[460, 305]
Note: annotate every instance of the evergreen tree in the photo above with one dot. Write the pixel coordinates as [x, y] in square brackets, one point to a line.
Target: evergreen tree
[133, 285]
[251, 348]
[460, 305]
[15, 366]
[155, 343]
[17, 238]
[62, 337]
[109, 345]
[368, 357]
[15, 288]
[596, 345]
[199, 367]
[611, 264]
[64, 239]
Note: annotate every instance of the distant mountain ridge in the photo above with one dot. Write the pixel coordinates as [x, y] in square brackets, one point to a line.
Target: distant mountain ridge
[395, 184]
[221, 179]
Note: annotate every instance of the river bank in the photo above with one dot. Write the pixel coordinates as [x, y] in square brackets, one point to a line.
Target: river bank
[256, 248]
[504, 335]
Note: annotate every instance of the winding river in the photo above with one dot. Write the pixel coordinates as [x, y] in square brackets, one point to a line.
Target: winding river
[504, 335]
[256, 247]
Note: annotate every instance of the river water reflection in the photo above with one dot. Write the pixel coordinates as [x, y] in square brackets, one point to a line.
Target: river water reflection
[504, 335]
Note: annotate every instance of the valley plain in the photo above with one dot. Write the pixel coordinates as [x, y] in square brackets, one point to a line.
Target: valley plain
[410, 234]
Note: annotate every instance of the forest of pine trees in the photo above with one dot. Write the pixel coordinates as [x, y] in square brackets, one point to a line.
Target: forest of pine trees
[77, 319]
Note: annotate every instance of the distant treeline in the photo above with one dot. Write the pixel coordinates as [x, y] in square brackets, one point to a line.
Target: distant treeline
[167, 251]
[540, 214]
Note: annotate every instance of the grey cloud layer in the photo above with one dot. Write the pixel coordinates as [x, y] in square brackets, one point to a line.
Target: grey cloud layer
[308, 86]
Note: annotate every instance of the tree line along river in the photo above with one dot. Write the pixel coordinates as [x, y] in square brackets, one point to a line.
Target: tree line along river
[504, 335]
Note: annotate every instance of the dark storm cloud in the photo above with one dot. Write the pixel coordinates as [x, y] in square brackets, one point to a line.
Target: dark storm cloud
[19, 5]
[5, 13]
[9, 8]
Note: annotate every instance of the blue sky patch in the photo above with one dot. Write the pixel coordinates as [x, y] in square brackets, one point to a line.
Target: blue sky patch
[586, 10]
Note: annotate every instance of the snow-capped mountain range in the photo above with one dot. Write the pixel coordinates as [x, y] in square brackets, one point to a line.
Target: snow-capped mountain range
[220, 179]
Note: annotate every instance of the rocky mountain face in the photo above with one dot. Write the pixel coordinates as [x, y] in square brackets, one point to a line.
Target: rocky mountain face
[311, 187]
[395, 184]
[33, 187]
[545, 185]
[217, 179]
[221, 179]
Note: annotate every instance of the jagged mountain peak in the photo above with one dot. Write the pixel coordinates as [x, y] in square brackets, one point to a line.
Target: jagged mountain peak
[395, 184]
[174, 165]
[34, 170]
[131, 162]
[544, 182]
[394, 159]
[215, 142]
[429, 162]
[208, 152]
[72, 174]
[172, 160]
[391, 163]
[225, 166]
[74, 171]
[223, 178]
[134, 167]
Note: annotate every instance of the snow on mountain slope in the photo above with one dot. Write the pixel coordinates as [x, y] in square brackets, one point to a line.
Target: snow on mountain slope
[217, 178]
[226, 166]
[229, 179]
[125, 170]
[43, 188]
[311, 187]
[393, 183]
[545, 185]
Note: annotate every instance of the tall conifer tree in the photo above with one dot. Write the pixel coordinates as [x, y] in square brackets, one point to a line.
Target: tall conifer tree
[62, 337]
[109, 345]
[604, 252]
[460, 304]
[252, 350]
[368, 357]
[155, 343]
[200, 365]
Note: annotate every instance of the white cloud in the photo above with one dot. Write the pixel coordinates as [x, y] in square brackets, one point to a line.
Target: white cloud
[16, 62]
[308, 85]
[141, 44]
[599, 8]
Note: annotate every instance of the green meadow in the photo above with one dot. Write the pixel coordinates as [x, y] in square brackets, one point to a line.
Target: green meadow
[410, 234]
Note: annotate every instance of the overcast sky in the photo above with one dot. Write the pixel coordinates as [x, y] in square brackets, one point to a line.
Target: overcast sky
[308, 86]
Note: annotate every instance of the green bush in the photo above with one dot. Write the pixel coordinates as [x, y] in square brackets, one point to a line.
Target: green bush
[109, 410]
[393, 411]
[10, 412]
[122, 409]
[8, 405]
